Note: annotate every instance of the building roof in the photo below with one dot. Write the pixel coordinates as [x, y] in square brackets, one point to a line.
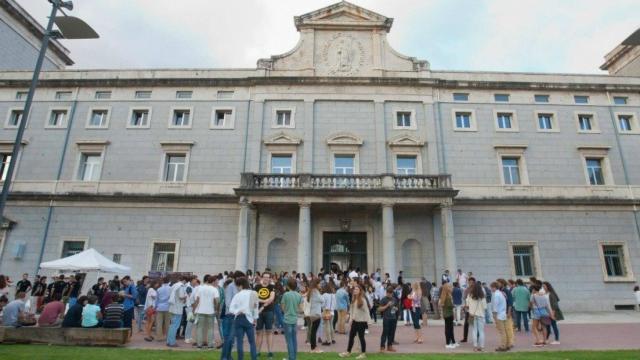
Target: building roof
[624, 55]
[23, 17]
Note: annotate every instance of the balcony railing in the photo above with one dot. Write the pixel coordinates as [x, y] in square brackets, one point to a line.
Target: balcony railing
[253, 181]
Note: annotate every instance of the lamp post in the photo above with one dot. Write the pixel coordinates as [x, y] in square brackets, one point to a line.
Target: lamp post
[69, 28]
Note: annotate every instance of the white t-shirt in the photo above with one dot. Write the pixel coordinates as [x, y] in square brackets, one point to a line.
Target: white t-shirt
[177, 298]
[205, 294]
[152, 295]
[353, 274]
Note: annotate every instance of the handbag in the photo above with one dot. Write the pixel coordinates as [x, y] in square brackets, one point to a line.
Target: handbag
[541, 313]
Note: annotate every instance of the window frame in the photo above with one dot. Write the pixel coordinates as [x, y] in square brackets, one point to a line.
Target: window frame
[274, 117]
[356, 161]
[496, 95]
[175, 148]
[139, 108]
[184, 92]
[10, 113]
[65, 122]
[555, 127]
[412, 118]
[575, 99]
[136, 92]
[95, 94]
[2, 167]
[513, 151]
[165, 166]
[59, 93]
[453, 97]
[537, 268]
[172, 113]
[83, 239]
[106, 121]
[276, 153]
[597, 152]
[629, 276]
[472, 120]
[548, 97]
[415, 154]
[176, 255]
[232, 118]
[89, 147]
[514, 120]
[626, 100]
[80, 168]
[635, 128]
[595, 126]
[20, 93]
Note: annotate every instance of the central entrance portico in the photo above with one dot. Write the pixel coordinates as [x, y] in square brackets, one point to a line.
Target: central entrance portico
[344, 250]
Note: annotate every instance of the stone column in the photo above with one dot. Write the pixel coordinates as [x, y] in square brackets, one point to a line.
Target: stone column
[242, 244]
[388, 241]
[448, 239]
[304, 238]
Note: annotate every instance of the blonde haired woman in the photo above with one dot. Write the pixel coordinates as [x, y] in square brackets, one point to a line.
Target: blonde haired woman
[446, 303]
[416, 296]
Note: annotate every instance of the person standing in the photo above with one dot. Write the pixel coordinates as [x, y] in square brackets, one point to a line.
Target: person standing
[499, 302]
[476, 307]
[244, 306]
[141, 288]
[228, 331]
[506, 290]
[488, 313]
[342, 304]
[99, 288]
[206, 303]
[435, 300]
[291, 302]
[557, 313]
[416, 311]
[328, 308]
[358, 319]
[521, 299]
[446, 304]
[457, 302]
[315, 313]
[24, 285]
[445, 278]
[162, 310]
[461, 279]
[266, 297]
[150, 308]
[128, 303]
[389, 309]
[636, 292]
[176, 306]
[37, 294]
[541, 314]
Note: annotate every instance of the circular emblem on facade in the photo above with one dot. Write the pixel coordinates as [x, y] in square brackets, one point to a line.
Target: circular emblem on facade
[343, 54]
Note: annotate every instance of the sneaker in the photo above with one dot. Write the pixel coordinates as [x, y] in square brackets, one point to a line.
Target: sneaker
[366, 332]
[449, 346]
[382, 349]
[188, 341]
[555, 343]
[361, 356]
[391, 349]
[456, 345]
[344, 354]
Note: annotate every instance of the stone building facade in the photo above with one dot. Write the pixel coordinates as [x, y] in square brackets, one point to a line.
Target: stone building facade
[341, 152]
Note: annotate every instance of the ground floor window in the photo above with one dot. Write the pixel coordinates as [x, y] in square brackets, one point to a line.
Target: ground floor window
[72, 247]
[164, 256]
[613, 260]
[523, 260]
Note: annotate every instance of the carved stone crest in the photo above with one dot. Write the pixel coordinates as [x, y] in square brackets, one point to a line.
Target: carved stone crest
[343, 55]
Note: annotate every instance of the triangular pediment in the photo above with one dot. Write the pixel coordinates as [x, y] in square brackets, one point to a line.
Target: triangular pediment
[283, 138]
[406, 140]
[343, 14]
[344, 139]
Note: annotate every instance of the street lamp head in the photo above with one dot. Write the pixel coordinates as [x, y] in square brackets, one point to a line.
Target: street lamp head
[67, 5]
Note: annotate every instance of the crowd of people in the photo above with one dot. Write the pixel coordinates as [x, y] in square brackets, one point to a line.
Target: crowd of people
[258, 306]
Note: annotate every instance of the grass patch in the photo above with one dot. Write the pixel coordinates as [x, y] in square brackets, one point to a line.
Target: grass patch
[31, 352]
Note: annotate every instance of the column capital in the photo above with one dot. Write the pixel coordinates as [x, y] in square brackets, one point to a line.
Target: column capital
[304, 204]
[244, 201]
[388, 204]
[446, 204]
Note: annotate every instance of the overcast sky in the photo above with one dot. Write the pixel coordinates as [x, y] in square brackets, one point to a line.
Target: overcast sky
[496, 35]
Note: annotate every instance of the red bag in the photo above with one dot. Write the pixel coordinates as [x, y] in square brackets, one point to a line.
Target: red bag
[407, 303]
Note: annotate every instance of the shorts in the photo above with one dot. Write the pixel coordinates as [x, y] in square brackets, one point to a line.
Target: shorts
[265, 321]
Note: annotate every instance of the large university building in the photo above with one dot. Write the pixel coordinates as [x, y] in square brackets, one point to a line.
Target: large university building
[341, 152]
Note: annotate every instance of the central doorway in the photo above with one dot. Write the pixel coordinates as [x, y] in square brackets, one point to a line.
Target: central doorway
[341, 250]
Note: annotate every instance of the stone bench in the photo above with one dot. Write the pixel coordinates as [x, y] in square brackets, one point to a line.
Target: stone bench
[64, 336]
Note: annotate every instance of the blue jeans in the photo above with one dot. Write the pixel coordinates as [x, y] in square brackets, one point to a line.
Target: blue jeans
[279, 317]
[556, 332]
[139, 316]
[72, 301]
[290, 335]
[242, 327]
[173, 329]
[227, 333]
[522, 315]
[487, 314]
[477, 332]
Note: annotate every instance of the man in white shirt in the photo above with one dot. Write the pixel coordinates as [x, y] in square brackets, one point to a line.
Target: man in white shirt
[245, 308]
[353, 274]
[499, 302]
[176, 304]
[462, 279]
[206, 305]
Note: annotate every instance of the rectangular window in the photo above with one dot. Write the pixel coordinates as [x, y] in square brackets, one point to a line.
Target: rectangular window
[4, 166]
[505, 120]
[541, 98]
[581, 99]
[594, 171]
[501, 97]
[15, 118]
[143, 94]
[620, 100]
[283, 118]
[281, 164]
[72, 247]
[180, 118]
[222, 118]
[460, 97]
[117, 258]
[21, 95]
[545, 121]
[403, 119]
[63, 95]
[139, 118]
[614, 260]
[624, 122]
[407, 164]
[511, 170]
[344, 164]
[184, 94]
[523, 261]
[98, 119]
[224, 95]
[175, 167]
[585, 122]
[90, 166]
[103, 94]
[463, 120]
[163, 257]
[57, 118]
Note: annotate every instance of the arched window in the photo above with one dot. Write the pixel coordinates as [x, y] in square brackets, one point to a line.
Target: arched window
[412, 260]
[277, 255]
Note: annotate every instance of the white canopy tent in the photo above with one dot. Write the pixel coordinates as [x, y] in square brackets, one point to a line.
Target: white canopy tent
[86, 261]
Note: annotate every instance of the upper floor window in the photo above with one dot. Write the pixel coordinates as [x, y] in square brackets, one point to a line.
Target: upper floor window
[63, 95]
[5, 159]
[460, 97]
[57, 119]
[163, 256]
[102, 95]
[140, 118]
[281, 163]
[505, 120]
[21, 95]
[90, 167]
[283, 119]
[175, 168]
[595, 171]
[501, 97]
[99, 118]
[224, 118]
[224, 95]
[407, 164]
[143, 94]
[511, 170]
[404, 120]
[581, 99]
[463, 120]
[181, 118]
[15, 117]
[184, 94]
[620, 100]
[547, 122]
[627, 123]
[72, 247]
[344, 164]
[586, 122]
[541, 98]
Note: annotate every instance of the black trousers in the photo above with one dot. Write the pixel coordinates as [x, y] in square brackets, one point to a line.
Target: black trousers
[357, 327]
[388, 332]
[315, 324]
[466, 326]
[448, 330]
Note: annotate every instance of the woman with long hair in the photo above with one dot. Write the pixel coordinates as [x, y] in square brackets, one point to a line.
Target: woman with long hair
[477, 304]
[315, 313]
[446, 304]
[4, 286]
[359, 318]
[416, 297]
[406, 304]
[541, 314]
[328, 309]
[557, 313]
